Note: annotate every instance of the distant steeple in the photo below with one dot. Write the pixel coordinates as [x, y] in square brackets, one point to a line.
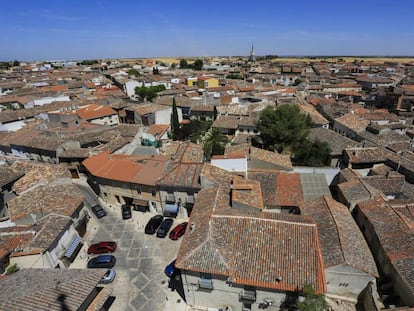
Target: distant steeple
[252, 57]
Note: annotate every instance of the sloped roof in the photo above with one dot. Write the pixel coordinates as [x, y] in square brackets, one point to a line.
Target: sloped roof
[43, 289]
[95, 111]
[265, 250]
[337, 142]
[183, 175]
[340, 238]
[144, 170]
[353, 122]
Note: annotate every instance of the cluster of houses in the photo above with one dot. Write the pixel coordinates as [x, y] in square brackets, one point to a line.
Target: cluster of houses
[260, 228]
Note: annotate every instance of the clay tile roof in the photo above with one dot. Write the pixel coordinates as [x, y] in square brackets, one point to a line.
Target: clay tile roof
[337, 142]
[95, 111]
[8, 175]
[353, 122]
[144, 170]
[264, 250]
[183, 175]
[62, 199]
[283, 161]
[149, 108]
[41, 289]
[228, 122]
[247, 192]
[394, 231]
[289, 189]
[340, 238]
[158, 130]
[366, 155]
[37, 174]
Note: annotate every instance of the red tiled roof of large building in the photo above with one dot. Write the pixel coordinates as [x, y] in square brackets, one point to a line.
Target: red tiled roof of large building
[144, 170]
[264, 250]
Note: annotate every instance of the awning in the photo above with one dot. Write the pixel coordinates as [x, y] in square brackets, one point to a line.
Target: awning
[171, 208]
[72, 246]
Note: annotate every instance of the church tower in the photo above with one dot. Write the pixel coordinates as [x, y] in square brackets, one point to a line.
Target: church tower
[252, 57]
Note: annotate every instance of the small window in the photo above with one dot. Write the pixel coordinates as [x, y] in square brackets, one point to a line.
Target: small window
[139, 190]
[205, 281]
[153, 192]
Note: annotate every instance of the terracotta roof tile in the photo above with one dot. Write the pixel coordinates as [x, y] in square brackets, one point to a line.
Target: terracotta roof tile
[339, 236]
[41, 289]
[144, 170]
[289, 189]
[220, 241]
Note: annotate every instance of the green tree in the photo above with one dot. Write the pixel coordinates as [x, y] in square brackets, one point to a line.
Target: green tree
[173, 65]
[214, 143]
[312, 153]
[198, 64]
[175, 122]
[133, 72]
[283, 127]
[16, 63]
[149, 93]
[312, 301]
[183, 63]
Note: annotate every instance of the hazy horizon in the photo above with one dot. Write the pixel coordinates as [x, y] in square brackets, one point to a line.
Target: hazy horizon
[101, 29]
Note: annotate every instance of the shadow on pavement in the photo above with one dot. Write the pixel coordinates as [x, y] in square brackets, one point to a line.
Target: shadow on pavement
[176, 284]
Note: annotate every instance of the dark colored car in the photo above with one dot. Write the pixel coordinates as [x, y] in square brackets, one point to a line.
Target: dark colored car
[170, 269]
[102, 261]
[164, 227]
[98, 211]
[126, 212]
[102, 248]
[108, 277]
[153, 224]
[178, 231]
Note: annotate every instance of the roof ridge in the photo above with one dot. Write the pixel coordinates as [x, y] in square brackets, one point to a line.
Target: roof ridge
[337, 228]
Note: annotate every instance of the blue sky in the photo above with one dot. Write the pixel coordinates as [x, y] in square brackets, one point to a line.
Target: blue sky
[73, 30]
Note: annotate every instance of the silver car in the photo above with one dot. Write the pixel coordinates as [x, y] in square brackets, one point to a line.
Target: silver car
[109, 276]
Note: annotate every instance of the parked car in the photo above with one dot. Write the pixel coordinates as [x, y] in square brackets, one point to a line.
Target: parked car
[98, 211]
[164, 227]
[170, 269]
[178, 231]
[153, 224]
[102, 248]
[108, 277]
[102, 261]
[126, 212]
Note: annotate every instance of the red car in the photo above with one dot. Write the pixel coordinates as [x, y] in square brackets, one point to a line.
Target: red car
[178, 231]
[102, 248]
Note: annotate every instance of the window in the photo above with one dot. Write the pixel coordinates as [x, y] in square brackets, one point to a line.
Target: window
[153, 192]
[205, 281]
[139, 190]
[248, 295]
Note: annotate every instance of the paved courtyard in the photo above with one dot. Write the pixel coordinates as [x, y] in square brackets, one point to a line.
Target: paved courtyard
[140, 283]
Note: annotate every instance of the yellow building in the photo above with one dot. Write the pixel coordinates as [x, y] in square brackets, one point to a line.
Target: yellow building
[205, 82]
[192, 81]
